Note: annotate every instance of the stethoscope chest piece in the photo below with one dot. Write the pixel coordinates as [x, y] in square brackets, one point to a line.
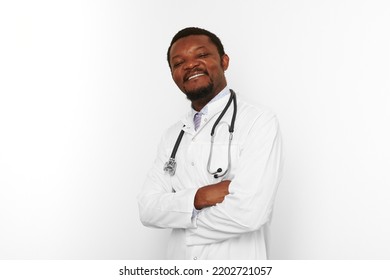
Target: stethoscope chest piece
[170, 166]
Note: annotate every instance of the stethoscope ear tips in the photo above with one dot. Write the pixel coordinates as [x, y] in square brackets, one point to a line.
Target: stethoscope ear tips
[219, 170]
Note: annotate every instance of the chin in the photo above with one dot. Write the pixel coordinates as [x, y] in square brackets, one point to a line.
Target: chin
[200, 92]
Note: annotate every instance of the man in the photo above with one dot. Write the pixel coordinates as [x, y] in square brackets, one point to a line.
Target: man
[218, 200]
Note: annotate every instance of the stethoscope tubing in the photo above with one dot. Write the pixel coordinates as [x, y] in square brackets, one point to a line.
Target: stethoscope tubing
[170, 166]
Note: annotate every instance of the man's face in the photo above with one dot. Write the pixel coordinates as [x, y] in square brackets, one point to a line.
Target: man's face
[197, 68]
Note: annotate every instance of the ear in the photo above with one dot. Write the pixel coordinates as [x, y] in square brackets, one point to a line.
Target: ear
[225, 62]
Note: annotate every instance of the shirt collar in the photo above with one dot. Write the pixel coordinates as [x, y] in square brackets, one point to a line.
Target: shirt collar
[214, 106]
[204, 110]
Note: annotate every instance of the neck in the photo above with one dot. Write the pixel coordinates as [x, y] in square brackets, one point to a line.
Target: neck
[200, 103]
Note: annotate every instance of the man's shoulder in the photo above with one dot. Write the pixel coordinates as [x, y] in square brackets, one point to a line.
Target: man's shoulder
[249, 110]
[256, 120]
[172, 132]
[174, 128]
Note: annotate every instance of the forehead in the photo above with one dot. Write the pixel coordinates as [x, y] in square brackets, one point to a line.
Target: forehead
[191, 43]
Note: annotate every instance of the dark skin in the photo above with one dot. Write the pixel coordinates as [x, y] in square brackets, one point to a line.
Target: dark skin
[195, 63]
[210, 195]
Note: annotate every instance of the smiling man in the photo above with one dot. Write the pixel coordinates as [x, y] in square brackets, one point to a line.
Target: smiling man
[217, 170]
[198, 68]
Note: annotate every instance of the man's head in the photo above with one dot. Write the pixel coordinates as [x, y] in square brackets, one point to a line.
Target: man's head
[196, 31]
[197, 61]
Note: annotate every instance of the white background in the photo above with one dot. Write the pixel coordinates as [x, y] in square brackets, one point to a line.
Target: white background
[85, 94]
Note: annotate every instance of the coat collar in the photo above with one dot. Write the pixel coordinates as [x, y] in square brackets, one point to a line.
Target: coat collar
[212, 108]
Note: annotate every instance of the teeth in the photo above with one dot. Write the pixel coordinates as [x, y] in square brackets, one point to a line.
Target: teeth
[195, 76]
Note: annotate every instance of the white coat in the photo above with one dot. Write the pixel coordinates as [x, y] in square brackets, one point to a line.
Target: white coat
[237, 227]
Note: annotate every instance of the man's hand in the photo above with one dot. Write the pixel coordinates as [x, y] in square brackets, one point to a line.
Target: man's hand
[212, 194]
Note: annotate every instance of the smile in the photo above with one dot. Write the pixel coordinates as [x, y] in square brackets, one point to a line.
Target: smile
[195, 76]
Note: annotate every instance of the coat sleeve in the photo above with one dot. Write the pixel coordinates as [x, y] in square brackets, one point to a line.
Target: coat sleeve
[160, 206]
[252, 189]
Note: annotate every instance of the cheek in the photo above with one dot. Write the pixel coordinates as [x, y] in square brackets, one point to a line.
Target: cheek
[177, 78]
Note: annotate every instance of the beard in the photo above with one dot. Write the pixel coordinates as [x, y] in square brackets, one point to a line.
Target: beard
[200, 93]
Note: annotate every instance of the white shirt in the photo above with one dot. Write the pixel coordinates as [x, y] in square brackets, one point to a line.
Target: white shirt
[237, 227]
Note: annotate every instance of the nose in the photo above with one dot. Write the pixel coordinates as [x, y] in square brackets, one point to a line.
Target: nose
[191, 63]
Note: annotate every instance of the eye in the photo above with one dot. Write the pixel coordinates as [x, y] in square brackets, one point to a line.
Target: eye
[177, 64]
[203, 55]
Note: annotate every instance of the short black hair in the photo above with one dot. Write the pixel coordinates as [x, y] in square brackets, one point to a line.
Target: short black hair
[196, 31]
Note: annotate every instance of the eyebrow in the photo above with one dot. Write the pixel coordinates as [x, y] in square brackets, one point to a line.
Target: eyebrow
[201, 47]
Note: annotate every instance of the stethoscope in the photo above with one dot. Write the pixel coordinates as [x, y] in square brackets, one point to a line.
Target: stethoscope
[170, 165]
